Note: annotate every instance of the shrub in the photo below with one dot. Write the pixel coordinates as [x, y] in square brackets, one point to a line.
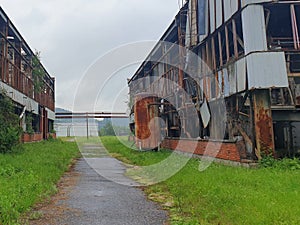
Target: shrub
[284, 164]
[9, 125]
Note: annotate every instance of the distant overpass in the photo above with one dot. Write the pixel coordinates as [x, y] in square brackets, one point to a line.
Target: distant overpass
[89, 115]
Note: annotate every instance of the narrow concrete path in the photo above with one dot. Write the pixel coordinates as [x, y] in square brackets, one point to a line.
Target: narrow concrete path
[95, 199]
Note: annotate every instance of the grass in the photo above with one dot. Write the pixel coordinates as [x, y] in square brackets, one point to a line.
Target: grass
[221, 194]
[30, 176]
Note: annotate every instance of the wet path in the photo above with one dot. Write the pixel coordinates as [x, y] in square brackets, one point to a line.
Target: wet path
[98, 200]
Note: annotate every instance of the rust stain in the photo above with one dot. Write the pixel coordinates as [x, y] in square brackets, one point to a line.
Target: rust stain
[147, 130]
[298, 100]
[265, 127]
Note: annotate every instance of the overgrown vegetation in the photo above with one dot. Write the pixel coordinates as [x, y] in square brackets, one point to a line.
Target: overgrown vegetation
[109, 130]
[28, 121]
[282, 164]
[223, 194]
[38, 72]
[31, 175]
[10, 130]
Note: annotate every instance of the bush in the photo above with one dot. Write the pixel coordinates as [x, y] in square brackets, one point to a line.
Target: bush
[9, 125]
[285, 164]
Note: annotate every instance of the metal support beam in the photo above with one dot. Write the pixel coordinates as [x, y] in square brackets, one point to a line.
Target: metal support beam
[263, 123]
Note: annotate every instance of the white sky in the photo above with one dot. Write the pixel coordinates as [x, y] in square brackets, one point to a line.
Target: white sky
[72, 34]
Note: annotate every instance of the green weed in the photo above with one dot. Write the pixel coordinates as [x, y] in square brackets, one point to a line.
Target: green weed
[223, 194]
[30, 176]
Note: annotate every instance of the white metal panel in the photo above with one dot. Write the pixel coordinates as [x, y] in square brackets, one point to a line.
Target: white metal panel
[161, 69]
[232, 78]
[219, 13]
[254, 29]
[247, 2]
[220, 83]
[266, 70]
[20, 98]
[201, 85]
[234, 4]
[241, 74]
[51, 114]
[212, 15]
[227, 10]
[205, 114]
[226, 83]
[230, 7]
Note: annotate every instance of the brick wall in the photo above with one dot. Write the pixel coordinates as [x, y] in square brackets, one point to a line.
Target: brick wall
[221, 150]
[31, 137]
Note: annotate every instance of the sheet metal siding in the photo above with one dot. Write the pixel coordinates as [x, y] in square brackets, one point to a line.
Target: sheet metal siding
[230, 7]
[254, 29]
[188, 26]
[226, 83]
[193, 21]
[206, 15]
[20, 98]
[241, 74]
[266, 70]
[247, 2]
[232, 79]
[51, 114]
[219, 13]
[212, 15]
[202, 17]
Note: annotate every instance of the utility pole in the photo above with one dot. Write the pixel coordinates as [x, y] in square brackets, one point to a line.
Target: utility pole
[87, 126]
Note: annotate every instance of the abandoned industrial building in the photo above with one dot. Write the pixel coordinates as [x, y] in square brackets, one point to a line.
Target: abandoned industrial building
[226, 73]
[32, 94]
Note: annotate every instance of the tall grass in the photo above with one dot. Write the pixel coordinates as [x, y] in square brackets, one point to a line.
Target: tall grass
[223, 194]
[31, 175]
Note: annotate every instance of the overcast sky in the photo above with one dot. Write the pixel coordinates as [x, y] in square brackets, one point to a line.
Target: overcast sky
[72, 34]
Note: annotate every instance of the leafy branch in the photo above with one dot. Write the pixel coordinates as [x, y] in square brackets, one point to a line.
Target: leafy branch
[38, 72]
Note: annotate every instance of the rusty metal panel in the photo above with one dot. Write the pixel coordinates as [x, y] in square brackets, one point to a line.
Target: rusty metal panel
[147, 127]
[191, 34]
[254, 29]
[241, 74]
[212, 16]
[263, 123]
[266, 70]
[230, 7]
[194, 25]
[219, 13]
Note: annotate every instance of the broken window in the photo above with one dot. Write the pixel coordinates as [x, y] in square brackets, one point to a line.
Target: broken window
[282, 22]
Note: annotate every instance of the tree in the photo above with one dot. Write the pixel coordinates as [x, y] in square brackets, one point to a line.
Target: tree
[107, 130]
[38, 72]
[10, 130]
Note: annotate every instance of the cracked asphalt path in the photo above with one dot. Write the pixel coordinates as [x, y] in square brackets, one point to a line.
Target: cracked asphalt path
[93, 199]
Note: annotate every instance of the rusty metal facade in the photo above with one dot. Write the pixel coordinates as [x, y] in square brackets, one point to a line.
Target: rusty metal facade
[147, 125]
[249, 70]
[16, 78]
